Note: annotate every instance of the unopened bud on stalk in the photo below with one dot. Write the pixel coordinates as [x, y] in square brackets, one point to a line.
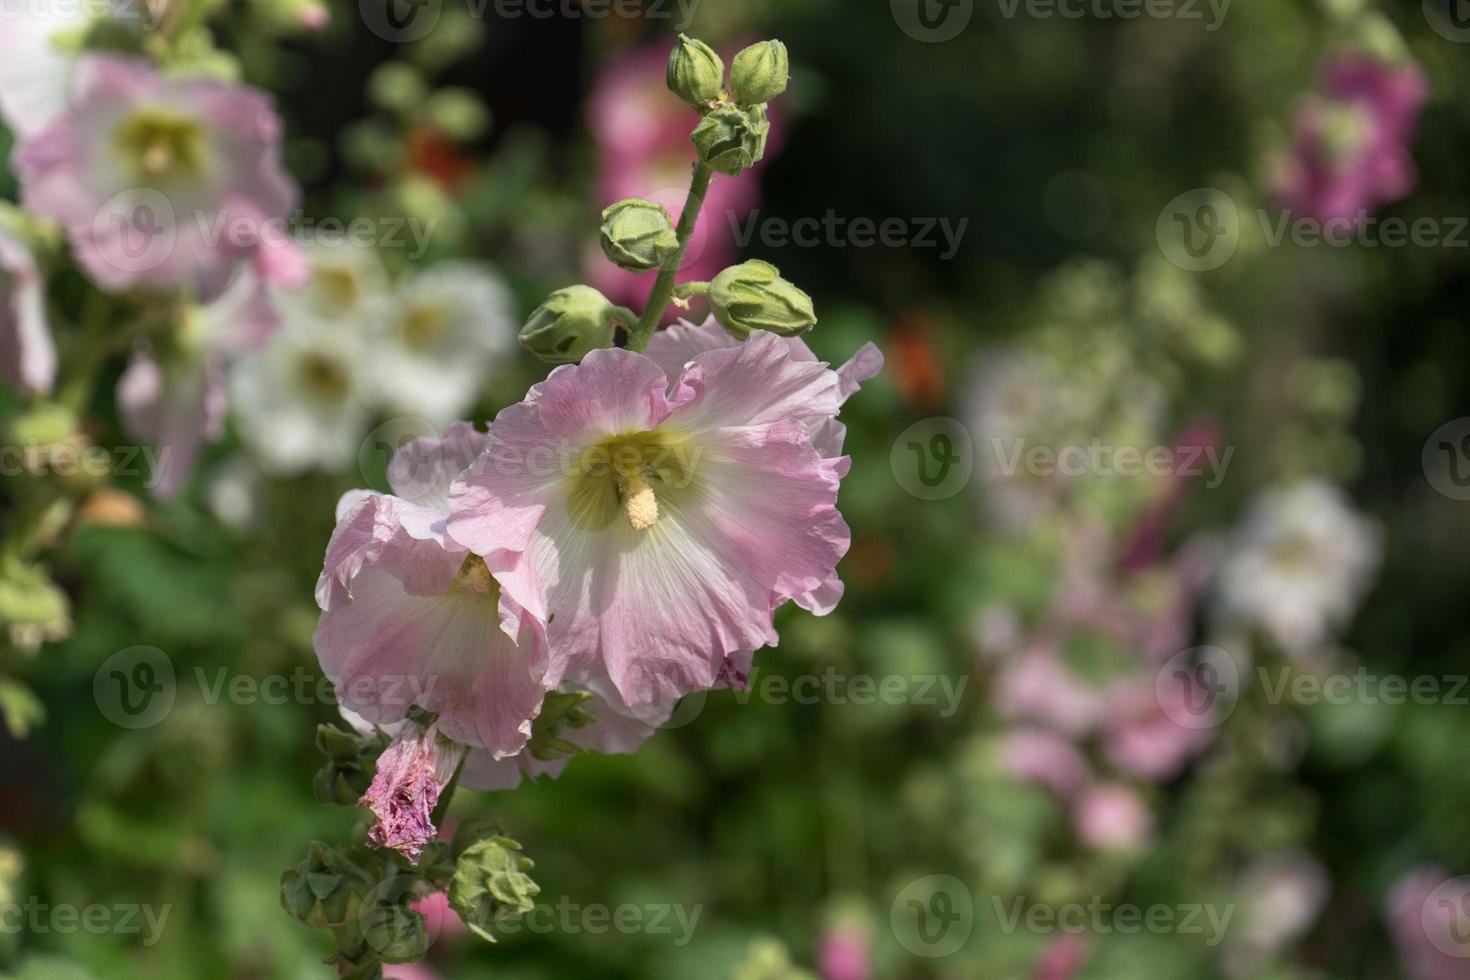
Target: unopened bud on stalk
[571, 323]
[731, 140]
[759, 73]
[696, 74]
[753, 296]
[638, 235]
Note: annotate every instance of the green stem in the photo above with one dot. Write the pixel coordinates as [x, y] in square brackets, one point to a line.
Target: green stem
[91, 354]
[663, 286]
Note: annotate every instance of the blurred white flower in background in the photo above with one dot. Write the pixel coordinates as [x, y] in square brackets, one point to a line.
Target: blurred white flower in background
[1299, 564]
[345, 281]
[36, 59]
[1281, 896]
[305, 401]
[435, 337]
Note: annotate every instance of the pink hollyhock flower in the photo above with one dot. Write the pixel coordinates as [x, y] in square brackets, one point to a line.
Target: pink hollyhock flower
[642, 137]
[1036, 685]
[613, 731]
[412, 771]
[1111, 816]
[411, 618]
[159, 182]
[1036, 755]
[27, 354]
[409, 971]
[845, 954]
[1352, 149]
[174, 395]
[34, 65]
[1062, 958]
[1426, 911]
[654, 510]
[1140, 736]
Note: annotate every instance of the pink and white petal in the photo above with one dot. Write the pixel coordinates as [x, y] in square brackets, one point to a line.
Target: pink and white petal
[536, 444]
[423, 470]
[657, 611]
[677, 344]
[375, 531]
[753, 383]
[388, 649]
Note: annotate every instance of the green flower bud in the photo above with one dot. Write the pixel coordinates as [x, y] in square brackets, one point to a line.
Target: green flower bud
[571, 323]
[390, 926]
[753, 296]
[731, 140]
[491, 877]
[325, 890]
[560, 711]
[33, 608]
[351, 762]
[759, 73]
[696, 74]
[638, 235]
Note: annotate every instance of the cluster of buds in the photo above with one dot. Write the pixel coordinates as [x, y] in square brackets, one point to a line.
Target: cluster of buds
[369, 896]
[639, 235]
[731, 138]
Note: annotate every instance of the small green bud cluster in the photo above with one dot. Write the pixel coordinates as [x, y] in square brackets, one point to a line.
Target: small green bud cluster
[731, 138]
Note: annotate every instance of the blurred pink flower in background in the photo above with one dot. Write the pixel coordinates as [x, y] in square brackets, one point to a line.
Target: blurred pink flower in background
[27, 353]
[642, 137]
[1062, 958]
[1046, 758]
[1111, 816]
[410, 971]
[1352, 151]
[1035, 685]
[1140, 736]
[159, 182]
[845, 953]
[1428, 915]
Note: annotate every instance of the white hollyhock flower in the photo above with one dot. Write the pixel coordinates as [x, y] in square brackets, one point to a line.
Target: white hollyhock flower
[345, 282]
[1299, 564]
[35, 59]
[304, 401]
[435, 338]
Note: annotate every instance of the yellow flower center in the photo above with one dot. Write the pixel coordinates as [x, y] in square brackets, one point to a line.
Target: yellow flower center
[161, 146]
[629, 474]
[474, 580]
[322, 377]
[422, 325]
[336, 289]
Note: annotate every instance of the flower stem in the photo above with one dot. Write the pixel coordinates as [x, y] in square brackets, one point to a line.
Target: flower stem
[663, 286]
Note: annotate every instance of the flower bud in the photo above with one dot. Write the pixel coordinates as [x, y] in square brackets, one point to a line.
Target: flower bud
[350, 764]
[731, 140]
[696, 74]
[753, 296]
[759, 73]
[489, 877]
[571, 323]
[325, 890]
[638, 235]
